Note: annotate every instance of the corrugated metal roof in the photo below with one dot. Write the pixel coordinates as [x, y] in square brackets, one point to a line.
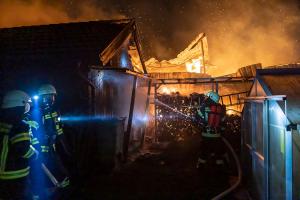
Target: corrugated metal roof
[69, 40]
[285, 81]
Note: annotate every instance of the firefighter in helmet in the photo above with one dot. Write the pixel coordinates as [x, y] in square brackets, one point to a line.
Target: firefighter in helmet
[15, 146]
[53, 146]
[211, 115]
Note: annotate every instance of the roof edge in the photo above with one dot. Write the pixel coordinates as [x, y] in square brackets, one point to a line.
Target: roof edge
[278, 71]
[125, 20]
[115, 44]
[259, 79]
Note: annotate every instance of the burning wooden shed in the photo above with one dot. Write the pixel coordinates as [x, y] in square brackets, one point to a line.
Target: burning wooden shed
[98, 70]
[270, 134]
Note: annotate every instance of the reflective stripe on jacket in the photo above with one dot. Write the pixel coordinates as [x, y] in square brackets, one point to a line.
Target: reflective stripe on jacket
[15, 150]
[53, 117]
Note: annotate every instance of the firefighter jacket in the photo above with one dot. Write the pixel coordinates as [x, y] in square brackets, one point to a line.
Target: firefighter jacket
[53, 145]
[212, 116]
[33, 127]
[15, 150]
[52, 129]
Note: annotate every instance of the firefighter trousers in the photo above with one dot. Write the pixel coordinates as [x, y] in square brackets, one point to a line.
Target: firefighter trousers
[212, 148]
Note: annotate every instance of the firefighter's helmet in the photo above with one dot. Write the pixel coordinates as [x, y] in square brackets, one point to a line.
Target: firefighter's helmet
[213, 96]
[15, 98]
[46, 89]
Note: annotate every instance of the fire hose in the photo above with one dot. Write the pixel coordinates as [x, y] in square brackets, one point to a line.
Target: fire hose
[237, 162]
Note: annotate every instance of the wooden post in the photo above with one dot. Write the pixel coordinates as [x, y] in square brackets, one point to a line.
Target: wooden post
[203, 62]
[155, 112]
[130, 117]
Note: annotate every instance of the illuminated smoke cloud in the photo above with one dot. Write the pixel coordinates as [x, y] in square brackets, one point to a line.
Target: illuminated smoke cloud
[26, 12]
[239, 32]
[252, 31]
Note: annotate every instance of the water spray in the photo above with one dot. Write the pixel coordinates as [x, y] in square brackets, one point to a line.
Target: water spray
[173, 109]
[237, 162]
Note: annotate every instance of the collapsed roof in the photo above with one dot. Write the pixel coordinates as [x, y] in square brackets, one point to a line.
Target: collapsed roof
[197, 49]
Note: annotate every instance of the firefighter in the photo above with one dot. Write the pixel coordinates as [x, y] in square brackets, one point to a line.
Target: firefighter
[211, 114]
[15, 147]
[36, 173]
[53, 146]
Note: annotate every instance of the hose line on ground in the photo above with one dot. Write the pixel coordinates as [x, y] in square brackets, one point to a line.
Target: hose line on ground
[233, 187]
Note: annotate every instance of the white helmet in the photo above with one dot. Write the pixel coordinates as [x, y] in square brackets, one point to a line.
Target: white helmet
[14, 99]
[213, 96]
[46, 89]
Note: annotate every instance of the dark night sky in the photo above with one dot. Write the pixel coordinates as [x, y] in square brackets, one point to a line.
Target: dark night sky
[240, 32]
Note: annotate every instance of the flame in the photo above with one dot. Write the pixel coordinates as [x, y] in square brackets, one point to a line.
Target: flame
[229, 112]
[194, 66]
[191, 59]
[168, 90]
[173, 90]
[165, 90]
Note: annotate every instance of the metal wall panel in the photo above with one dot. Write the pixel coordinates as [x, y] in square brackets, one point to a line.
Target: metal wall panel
[139, 114]
[112, 93]
[277, 138]
[122, 95]
[247, 124]
[296, 165]
[253, 157]
[246, 129]
[257, 149]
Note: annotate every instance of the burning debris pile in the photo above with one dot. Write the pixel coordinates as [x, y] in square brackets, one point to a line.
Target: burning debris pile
[193, 59]
[175, 114]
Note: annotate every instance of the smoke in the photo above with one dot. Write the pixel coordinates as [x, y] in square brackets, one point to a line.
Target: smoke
[34, 12]
[241, 32]
[253, 31]
[16, 13]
